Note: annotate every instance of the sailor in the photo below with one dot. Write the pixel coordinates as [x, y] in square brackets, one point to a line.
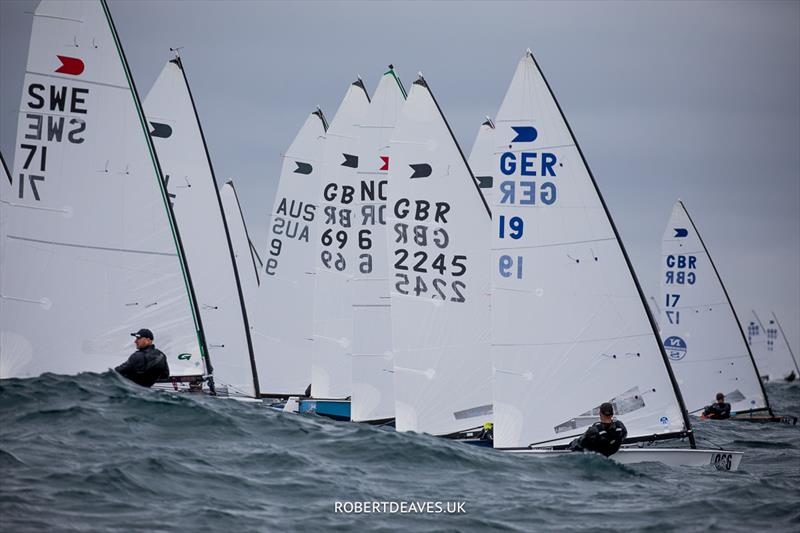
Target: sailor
[487, 433]
[604, 437]
[720, 410]
[147, 364]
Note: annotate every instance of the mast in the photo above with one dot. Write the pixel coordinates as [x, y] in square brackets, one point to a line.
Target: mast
[785, 340]
[246, 323]
[253, 253]
[646, 308]
[728, 299]
[164, 195]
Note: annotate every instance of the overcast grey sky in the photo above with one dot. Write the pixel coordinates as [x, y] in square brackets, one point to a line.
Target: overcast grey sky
[697, 100]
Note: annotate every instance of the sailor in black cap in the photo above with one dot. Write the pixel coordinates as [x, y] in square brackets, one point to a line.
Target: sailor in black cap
[603, 437]
[147, 364]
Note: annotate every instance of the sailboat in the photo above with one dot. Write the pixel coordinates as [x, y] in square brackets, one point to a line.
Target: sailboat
[776, 361]
[285, 302]
[373, 372]
[437, 221]
[193, 193]
[705, 343]
[570, 325]
[336, 261]
[90, 248]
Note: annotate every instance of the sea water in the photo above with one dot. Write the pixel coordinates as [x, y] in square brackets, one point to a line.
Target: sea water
[97, 453]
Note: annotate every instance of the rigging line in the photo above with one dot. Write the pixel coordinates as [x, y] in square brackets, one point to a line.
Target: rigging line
[90, 247]
[570, 342]
[72, 79]
[552, 245]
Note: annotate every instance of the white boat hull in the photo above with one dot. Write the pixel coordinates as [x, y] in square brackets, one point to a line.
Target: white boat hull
[720, 459]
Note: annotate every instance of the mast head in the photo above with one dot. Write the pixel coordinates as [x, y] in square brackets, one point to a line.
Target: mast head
[420, 80]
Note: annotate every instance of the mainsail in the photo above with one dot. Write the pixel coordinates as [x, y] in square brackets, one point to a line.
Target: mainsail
[438, 222]
[90, 250]
[373, 380]
[337, 253]
[285, 300]
[702, 336]
[570, 325]
[192, 188]
[247, 263]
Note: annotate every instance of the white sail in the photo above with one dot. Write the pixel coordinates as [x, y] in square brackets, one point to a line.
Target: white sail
[373, 380]
[192, 188]
[771, 349]
[247, 263]
[337, 251]
[483, 162]
[285, 300]
[89, 249]
[570, 327]
[437, 222]
[702, 336]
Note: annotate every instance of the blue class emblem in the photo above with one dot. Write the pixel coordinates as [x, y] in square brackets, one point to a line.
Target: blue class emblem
[524, 134]
[664, 420]
[675, 347]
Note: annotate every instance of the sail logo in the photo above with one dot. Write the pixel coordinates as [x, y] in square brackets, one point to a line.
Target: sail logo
[675, 348]
[525, 134]
[184, 356]
[70, 65]
[680, 233]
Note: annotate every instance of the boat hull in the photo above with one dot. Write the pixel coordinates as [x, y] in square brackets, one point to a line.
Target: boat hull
[719, 459]
[335, 409]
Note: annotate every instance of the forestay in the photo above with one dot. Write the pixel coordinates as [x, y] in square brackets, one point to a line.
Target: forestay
[285, 300]
[702, 336]
[570, 326]
[90, 253]
[771, 349]
[438, 222]
[337, 253]
[193, 193]
[373, 380]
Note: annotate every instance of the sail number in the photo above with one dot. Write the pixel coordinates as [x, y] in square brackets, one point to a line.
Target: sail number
[671, 300]
[680, 270]
[722, 461]
[423, 266]
[291, 222]
[47, 127]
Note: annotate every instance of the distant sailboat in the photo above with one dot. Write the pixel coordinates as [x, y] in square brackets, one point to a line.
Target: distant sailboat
[438, 222]
[285, 300]
[373, 372]
[192, 187]
[776, 361]
[90, 248]
[570, 325]
[706, 345]
[336, 260]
